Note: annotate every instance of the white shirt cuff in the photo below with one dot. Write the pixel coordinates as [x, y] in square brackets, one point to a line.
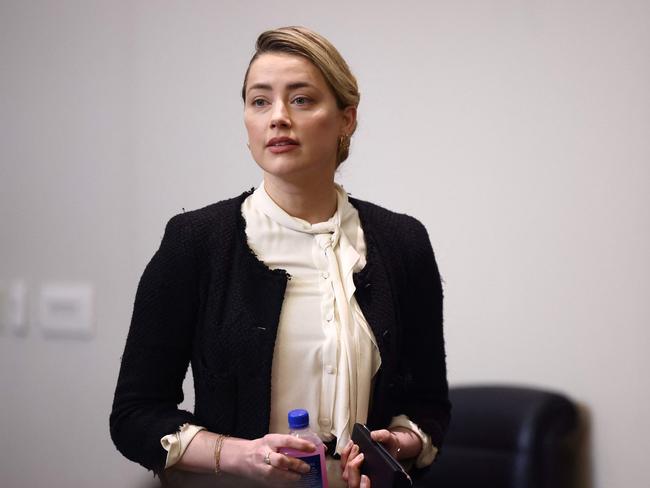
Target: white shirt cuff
[428, 452]
[176, 443]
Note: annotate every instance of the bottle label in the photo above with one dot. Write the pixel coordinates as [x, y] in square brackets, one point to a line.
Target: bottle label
[313, 479]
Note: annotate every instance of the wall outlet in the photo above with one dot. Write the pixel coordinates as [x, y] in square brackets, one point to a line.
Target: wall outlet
[66, 310]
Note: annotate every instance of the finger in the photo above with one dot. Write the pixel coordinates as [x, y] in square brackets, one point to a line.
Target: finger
[276, 441]
[381, 435]
[354, 451]
[345, 453]
[354, 471]
[289, 463]
[354, 478]
[279, 476]
[365, 481]
[357, 461]
[354, 463]
[352, 454]
[276, 474]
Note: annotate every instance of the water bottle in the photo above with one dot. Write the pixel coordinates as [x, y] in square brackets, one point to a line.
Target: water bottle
[299, 426]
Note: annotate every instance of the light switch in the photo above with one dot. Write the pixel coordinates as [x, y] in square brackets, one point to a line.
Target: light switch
[13, 307]
[67, 310]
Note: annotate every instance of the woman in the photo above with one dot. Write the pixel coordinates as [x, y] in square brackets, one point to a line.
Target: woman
[289, 296]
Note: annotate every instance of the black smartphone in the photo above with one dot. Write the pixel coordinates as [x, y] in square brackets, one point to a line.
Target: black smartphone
[383, 469]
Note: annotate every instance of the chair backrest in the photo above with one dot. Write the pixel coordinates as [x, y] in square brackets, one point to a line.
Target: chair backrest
[506, 437]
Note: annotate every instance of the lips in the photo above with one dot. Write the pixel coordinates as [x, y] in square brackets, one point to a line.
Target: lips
[281, 141]
[279, 145]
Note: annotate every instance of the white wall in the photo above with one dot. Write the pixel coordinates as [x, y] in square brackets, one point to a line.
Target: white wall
[517, 131]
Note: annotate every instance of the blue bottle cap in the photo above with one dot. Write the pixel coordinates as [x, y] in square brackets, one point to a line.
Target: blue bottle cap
[298, 419]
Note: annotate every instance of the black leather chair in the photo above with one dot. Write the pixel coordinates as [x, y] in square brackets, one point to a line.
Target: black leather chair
[506, 437]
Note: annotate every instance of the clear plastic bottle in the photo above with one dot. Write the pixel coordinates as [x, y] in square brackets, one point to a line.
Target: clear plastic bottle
[299, 426]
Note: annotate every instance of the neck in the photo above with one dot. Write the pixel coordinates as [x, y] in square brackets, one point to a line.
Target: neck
[314, 202]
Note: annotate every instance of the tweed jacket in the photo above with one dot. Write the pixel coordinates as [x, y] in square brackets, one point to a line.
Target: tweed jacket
[206, 299]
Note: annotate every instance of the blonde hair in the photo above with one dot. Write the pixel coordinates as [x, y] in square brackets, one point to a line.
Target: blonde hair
[300, 41]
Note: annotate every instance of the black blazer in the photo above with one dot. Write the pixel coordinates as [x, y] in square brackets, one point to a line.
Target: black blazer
[205, 298]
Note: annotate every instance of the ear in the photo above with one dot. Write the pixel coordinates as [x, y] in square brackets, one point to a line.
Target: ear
[349, 115]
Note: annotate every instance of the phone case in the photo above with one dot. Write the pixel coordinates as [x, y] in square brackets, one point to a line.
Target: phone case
[382, 468]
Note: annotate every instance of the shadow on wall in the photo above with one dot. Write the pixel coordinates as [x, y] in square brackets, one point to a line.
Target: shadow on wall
[582, 443]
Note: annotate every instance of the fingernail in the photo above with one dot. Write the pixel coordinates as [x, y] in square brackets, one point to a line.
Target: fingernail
[364, 481]
[304, 467]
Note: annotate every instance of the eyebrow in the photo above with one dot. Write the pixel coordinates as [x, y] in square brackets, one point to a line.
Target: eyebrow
[290, 86]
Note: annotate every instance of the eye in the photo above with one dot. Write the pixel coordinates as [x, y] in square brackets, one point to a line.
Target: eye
[301, 100]
[258, 102]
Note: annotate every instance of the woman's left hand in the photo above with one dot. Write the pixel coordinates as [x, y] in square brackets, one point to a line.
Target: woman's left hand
[400, 443]
[389, 440]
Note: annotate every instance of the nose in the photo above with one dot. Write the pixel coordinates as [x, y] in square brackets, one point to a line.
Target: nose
[280, 116]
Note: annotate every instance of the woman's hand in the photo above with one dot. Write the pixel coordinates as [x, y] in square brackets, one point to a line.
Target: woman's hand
[351, 461]
[259, 459]
[389, 440]
[401, 443]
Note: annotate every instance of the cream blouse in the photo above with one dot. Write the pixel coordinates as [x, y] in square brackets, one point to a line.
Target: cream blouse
[325, 353]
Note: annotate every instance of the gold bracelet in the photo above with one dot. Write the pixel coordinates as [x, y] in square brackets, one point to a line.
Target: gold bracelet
[217, 453]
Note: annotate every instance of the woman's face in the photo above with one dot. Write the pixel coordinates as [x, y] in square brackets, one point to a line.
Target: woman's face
[292, 119]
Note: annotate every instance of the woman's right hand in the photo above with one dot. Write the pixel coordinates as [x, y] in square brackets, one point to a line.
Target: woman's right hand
[351, 461]
[249, 458]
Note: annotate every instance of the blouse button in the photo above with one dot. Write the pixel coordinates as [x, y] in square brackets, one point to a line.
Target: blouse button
[330, 369]
[325, 421]
[325, 275]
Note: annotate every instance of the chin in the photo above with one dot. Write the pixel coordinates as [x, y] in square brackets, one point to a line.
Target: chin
[283, 165]
[290, 166]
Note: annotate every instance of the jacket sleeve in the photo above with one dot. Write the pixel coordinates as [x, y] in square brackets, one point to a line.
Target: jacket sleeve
[424, 372]
[157, 351]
